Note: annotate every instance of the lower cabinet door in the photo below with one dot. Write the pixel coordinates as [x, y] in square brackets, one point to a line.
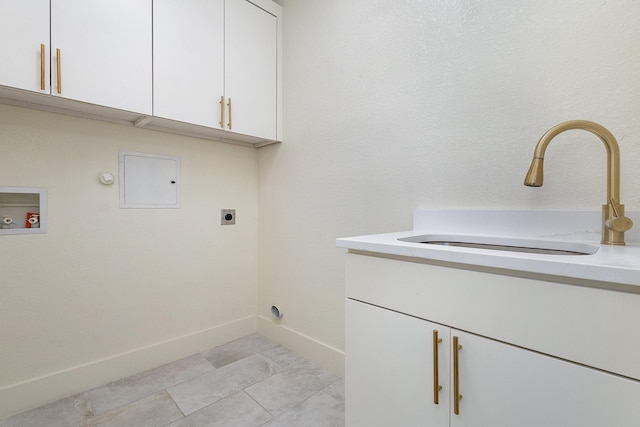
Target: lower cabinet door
[390, 363]
[506, 386]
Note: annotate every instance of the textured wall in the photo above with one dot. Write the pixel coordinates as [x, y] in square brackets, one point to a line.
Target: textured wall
[106, 282]
[395, 105]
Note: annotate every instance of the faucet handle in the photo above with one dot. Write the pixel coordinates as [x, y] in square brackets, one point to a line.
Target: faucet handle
[617, 222]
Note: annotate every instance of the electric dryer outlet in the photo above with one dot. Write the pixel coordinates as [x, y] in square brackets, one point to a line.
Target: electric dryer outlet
[227, 216]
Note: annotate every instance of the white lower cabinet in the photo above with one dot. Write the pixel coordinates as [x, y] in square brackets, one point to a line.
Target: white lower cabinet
[390, 368]
[503, 385]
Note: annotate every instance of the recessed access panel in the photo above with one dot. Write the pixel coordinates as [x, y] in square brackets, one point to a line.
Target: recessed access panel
[23, 210]
[149, 181]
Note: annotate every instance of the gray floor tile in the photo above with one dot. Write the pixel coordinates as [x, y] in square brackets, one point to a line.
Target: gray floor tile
[130, 389]
[238, 349]
[320, 410]
[283, 357]
[152, 411]
[256, 381]
[336, 390]
[285, 389]
[206, 389]
[238, 410]
[63, 413]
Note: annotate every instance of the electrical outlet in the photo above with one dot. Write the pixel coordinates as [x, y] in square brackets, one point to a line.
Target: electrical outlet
[228, 216]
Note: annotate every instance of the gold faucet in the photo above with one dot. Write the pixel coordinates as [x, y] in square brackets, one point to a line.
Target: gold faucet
[614, 223]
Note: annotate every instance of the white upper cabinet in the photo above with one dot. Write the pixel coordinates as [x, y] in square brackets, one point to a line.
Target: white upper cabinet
[105, 52]
[24, 44]
[251, 69]
[188, 55]
[203, 68]
[215, 64]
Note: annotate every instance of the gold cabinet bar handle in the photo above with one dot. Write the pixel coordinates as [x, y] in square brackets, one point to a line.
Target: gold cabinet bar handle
[456, 377]
[436, 383]
[58, 70]
[222, 112]
[229, 105]
[41, 66]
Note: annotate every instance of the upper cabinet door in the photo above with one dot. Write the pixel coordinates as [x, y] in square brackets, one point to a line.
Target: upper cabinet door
[188, 57]
[251, 35]
[24, 44]
[105, 52]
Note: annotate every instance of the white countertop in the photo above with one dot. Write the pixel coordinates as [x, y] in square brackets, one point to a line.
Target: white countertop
[612, 264]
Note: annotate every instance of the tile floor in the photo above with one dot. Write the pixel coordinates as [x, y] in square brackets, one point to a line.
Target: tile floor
[248, 382]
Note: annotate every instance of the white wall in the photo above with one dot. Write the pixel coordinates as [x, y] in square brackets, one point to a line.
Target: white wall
[108, 292]
[396, 105]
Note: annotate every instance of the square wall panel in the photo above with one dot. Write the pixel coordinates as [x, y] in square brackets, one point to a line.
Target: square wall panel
[149, 181]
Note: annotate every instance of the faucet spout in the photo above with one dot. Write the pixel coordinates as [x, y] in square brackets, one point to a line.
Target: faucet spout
[614, 223]
[535, 175]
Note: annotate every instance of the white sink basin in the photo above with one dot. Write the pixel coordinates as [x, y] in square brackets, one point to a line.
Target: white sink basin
[507, 244]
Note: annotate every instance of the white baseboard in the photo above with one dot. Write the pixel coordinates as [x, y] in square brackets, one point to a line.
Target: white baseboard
[324, 355]
[57, 385]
